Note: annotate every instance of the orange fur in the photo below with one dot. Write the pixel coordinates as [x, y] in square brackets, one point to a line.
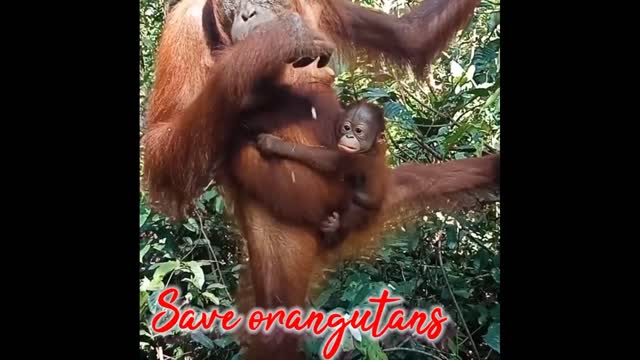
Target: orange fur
[196, 133]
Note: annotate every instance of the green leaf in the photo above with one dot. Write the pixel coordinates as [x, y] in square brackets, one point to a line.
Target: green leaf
[470, 72]
[405, 288]
[198, 274]
[223, 342]
[144, 251]
[465, 293]
[495, 311]
[485, 55]
[494, 21]
[360, 297]
[144, 284]
[209, 296]
[481, 259]
[483, 314]
[351, 292]
[478, 91]
[152, 302]
[375, 93]
[452, 236]
[144, 217]
[191, 225]
[495, 272]
[155, 284]
[456, 70]
[215, 286]
[144, 296]
[361, 346]
[395, 110]
[323, 297]
[202, 339]
[219, 205]
[164, 268]
[237, 268]
[444, 294]
[371, 349]
[456, 136]
[492, 98]
[348, 342]
[453, 347]
[208, 195]
[492, 337]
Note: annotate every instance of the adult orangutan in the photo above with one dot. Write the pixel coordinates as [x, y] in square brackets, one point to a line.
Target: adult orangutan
[228, 70]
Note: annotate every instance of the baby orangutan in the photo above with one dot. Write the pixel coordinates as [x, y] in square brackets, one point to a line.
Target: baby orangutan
[359, 160]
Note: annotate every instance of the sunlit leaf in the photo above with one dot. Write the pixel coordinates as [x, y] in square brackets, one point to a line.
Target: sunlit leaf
[198, 274]
[209, 296]
[164, 268]
[470, 72]
[456, 70]
[144, 250]
[191, 225]
[208, 195]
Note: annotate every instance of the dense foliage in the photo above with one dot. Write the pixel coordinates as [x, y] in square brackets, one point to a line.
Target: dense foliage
[442, 260]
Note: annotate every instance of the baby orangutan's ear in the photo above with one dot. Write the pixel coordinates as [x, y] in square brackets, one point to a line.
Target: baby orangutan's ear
[381, 137]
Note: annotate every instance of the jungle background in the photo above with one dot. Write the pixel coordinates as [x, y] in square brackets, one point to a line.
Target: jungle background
[453, 261]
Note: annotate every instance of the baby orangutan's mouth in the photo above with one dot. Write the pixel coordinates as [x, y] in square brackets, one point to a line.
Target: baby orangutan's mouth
[347, 148]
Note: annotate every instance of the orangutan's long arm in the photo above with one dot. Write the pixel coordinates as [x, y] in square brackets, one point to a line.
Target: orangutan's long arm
[417, 37]
[420, 189]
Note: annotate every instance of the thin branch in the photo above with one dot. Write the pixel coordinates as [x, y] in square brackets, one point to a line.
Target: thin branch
[430, 125]
[446, 280]
[488, 354]
[473, 333]
[421, 103]
[426, 147]
[395, 145]
[215, 258]
[404, 341]
[469, 110]
[174, 270]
